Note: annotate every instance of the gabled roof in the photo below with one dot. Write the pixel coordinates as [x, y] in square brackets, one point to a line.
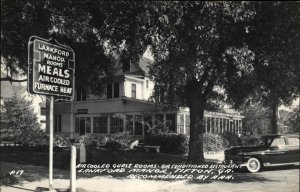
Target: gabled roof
[142, 68]
[144, 64]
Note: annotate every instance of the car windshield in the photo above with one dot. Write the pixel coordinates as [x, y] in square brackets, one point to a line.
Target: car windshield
[265, 141]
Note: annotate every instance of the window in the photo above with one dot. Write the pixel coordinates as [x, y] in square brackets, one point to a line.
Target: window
[116, 90]
[109, 91]
[100, 125]
[147, 84]
[187, 124]
[171, 122]
[43, 111]
[181, 123]
[88, 125]
[159, 121]
[113, 90]
[278, 142]
[81, 94]
[76, 125]
[293, 141]
[133, 90]
[129, 123]
[57, 123]
[82, 125]
[116, 125]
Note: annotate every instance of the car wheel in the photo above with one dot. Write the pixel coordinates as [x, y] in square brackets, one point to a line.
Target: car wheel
[253, 165]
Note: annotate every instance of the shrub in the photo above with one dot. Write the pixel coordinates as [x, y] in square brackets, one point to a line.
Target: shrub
[213, 142]
[232, 139]
[115, 145]
[169, 142]
[250, 140]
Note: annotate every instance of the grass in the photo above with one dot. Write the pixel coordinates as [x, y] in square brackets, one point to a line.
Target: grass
[62, 159]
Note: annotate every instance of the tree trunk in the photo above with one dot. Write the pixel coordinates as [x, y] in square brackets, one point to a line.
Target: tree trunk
[274, 126]
[196, 106]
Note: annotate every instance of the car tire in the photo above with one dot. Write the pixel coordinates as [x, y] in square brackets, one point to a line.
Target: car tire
[253, 165]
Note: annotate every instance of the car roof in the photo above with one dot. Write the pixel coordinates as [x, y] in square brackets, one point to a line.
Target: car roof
[281, 135]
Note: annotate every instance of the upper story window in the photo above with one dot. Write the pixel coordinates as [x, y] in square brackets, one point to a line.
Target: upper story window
[113, 90]
[81, 95]
[133, 90]
[116, 90]
[147, 84]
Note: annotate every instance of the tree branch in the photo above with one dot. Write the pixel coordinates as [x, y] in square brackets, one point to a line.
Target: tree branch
[10, 79]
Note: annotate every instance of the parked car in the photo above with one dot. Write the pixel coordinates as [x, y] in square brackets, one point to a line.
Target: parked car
[271, 150]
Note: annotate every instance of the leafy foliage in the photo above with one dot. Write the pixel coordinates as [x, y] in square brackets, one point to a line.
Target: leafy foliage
[214, 142]
[19, 122]
[273, 35]
[257, 119]
[169, 142]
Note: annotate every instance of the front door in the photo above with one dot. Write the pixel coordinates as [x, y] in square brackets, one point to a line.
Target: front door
[138, 126]
[82, 126]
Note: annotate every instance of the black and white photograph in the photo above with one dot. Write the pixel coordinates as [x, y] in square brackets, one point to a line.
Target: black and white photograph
[150, 96]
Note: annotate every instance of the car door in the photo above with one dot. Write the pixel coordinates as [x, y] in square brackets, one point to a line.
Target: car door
[293, 149]
[278, 151]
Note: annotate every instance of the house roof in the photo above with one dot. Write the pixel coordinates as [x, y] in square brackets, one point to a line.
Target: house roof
[140, 68]
[144, 64]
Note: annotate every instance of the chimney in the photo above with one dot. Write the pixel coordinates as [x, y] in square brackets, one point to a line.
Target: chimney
[125, 60]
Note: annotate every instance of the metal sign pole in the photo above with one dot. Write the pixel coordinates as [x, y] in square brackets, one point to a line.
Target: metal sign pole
[51, 144]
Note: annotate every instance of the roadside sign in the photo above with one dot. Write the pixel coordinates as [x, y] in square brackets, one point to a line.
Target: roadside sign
[51, 68]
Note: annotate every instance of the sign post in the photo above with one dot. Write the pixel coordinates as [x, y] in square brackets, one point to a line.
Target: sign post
[51, 70]
[51, 144]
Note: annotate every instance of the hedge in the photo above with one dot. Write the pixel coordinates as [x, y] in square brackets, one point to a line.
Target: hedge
[168, 142]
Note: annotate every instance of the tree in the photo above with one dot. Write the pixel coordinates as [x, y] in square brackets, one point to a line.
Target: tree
[274, 37]
[257, 119]
[192, 43]
[18, 121]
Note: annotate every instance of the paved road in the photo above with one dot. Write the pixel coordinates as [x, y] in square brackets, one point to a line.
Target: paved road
[283, 179]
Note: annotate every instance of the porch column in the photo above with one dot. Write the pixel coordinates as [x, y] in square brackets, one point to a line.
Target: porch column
[215, 124]
[108, 124]
[92, 124]
[222, 125]
[238, 125]
[184, 124]
[133, 124]
[143, 128]
[241, 126]
[211, 127]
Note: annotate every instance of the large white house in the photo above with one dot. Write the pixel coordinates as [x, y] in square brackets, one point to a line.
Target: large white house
[125, 106]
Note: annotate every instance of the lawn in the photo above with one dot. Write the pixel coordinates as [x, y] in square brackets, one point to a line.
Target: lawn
[94, 156]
